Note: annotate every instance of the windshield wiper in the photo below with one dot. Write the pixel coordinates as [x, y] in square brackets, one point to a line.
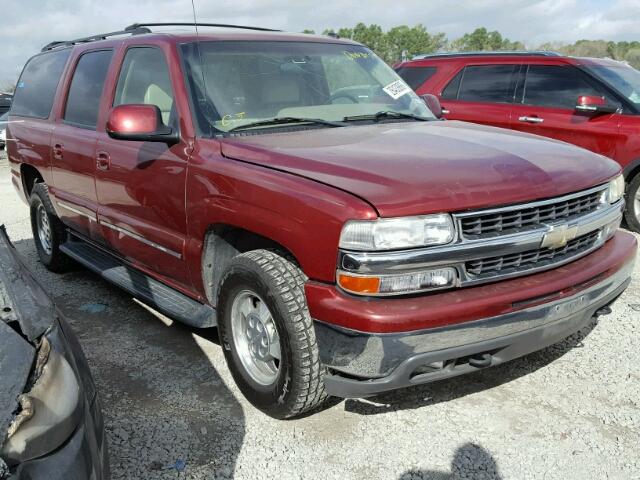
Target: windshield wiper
[376, 117]
[285, 120]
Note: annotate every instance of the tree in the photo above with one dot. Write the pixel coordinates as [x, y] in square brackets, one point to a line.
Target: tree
[413, 40]
[482, 40]
[309, 32]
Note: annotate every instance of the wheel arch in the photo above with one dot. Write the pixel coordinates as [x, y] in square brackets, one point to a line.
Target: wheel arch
[222, 243]
[30, 176]
[631, 170]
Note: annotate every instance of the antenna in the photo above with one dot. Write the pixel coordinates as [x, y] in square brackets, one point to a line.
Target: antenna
[204, 100]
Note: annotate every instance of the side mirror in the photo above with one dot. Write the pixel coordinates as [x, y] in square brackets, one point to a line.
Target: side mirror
[141, 123]
[433, 103]
[594, 105]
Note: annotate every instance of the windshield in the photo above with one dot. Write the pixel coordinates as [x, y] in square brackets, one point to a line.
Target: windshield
[624, 79]
[242, 83]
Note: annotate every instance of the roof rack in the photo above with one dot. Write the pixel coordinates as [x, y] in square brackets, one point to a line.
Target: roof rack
[136, 26]
[140, 28]
[94, 38]
[537, 53]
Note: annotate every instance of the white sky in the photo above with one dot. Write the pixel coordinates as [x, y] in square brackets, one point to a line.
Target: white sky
[27, 25]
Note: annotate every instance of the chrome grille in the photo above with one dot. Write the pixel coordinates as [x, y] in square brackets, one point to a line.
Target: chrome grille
[531, 259]
[513, 220]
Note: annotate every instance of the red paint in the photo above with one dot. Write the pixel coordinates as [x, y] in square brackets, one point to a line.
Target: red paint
[327, 303]
[134, 119]
[607, 134]
[590, 100]
[297, 189]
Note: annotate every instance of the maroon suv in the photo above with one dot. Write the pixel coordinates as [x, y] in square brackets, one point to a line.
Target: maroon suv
[293, 190]
[590, 102]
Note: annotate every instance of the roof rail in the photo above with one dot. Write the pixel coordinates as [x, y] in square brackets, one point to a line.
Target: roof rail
[136, 26]
[539, 53]
[94, 38]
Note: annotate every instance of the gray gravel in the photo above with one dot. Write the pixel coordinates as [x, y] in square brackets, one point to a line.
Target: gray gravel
[571, 411]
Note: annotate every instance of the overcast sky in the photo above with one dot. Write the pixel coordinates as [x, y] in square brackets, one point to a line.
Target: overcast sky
[27, 25]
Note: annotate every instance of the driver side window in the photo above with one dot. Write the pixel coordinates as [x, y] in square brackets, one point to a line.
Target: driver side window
[144, 79]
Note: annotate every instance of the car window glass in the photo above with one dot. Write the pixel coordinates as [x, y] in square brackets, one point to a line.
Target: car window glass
[487, 83]
[451, 90]
[416, 76]
[557, 86]
[144, 79]
[38, 83]
[83, 101]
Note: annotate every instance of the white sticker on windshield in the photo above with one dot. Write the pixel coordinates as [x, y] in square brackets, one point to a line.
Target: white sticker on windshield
[397, 89]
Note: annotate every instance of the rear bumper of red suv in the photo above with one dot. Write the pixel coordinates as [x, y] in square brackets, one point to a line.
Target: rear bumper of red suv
[461, 331]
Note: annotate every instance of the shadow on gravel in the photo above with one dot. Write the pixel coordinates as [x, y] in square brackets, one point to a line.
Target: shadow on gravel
[445, 390]
[168, 412]
[469, 461]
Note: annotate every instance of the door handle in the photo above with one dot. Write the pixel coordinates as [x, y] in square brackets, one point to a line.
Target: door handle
[445, 111]
[103, 161]
[531, 119]
[57, 151]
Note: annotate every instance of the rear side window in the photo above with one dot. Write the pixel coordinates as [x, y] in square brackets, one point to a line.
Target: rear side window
[557, 86]
[485, 83]
[416, 76]
[83, 101]
[38, 83]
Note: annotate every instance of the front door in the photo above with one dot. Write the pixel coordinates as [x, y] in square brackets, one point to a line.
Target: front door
[141, 185]
[73, 144]
[546, 106]
[481, 94]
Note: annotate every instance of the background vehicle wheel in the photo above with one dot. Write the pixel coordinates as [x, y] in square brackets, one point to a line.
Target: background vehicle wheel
[268, 336]
[632, 212]
[48, 231]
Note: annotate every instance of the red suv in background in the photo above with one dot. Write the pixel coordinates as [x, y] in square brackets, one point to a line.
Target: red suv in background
[592, 103]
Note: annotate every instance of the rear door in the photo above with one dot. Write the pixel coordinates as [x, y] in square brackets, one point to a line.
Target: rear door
[74, 143]
[482, 94]
[141, 185]
[546, 106]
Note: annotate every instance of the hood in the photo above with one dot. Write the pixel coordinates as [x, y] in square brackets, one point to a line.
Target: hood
[410, 168]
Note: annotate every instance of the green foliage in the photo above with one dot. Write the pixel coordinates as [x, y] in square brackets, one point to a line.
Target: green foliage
[482, 40]
[392, 44]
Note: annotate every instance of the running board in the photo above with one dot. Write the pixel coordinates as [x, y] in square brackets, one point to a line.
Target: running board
[157, 295]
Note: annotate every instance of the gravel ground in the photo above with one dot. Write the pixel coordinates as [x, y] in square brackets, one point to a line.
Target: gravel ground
[571, 411]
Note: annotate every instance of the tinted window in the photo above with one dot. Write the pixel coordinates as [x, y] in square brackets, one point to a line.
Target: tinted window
[38, 83]
[556, 86]
[83, 102]
[451, 91]
[416, 76]
[488, 83]
[144, 78]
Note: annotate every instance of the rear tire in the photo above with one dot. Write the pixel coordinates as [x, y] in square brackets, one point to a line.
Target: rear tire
[262, 291]
[48, 231]
[632, 212]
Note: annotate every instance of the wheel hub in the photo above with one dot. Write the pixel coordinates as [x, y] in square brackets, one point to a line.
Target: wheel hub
[255, 337]
[44, 229]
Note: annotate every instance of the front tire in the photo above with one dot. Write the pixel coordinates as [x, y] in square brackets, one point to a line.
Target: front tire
[268, 336]
[48, 231]
[632, 212]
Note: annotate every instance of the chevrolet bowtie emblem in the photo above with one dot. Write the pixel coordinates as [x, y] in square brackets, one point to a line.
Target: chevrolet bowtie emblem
[558, 236]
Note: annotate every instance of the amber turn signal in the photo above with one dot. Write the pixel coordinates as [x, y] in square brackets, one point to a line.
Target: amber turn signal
[359, 284]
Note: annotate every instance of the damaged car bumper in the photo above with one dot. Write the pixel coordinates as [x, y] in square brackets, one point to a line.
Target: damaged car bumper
[52, 425]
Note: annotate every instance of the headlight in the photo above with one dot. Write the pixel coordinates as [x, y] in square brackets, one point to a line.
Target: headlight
[404, 283]
[616, 189]
[396, 233]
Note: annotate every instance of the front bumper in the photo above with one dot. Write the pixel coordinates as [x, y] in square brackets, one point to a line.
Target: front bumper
[362, 364]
